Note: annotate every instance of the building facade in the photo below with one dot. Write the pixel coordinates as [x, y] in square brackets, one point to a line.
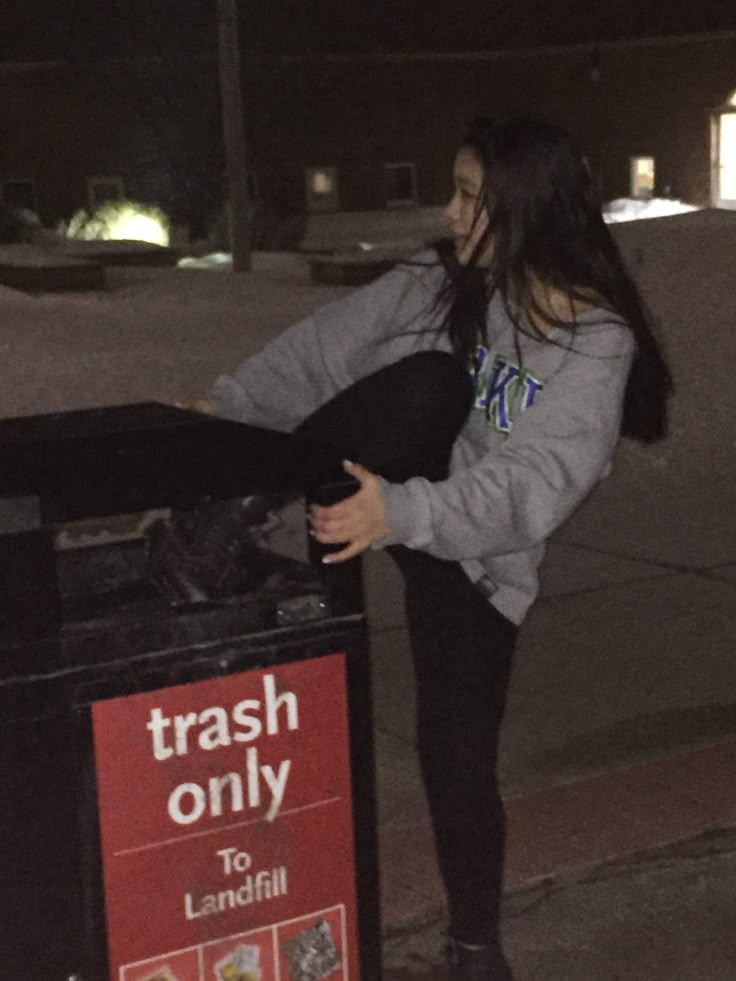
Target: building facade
[361, 131]
[659, 100]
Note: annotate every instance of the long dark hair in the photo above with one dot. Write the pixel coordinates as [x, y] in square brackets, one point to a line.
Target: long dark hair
[546, 225]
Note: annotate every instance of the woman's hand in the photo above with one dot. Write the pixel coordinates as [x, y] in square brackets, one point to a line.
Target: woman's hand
[358, 521]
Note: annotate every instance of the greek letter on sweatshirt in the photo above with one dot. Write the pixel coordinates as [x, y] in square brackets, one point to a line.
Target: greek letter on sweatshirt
[541, 434]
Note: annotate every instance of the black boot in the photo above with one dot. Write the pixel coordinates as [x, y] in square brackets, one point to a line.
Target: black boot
[468, 962]
[209, 552]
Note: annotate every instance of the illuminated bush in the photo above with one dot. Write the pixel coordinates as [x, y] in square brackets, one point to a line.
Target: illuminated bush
[121, 220]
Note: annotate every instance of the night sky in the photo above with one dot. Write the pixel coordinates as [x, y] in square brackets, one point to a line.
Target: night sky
[38, 29]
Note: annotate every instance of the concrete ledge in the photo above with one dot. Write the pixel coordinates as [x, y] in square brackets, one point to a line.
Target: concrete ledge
[119, 253]
[349, 268]
[409, 228]
[35, 270]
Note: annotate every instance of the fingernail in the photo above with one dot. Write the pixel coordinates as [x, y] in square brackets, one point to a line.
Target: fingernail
[348, 463]
[327, 559]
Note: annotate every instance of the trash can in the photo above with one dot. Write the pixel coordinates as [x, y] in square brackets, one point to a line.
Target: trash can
[186, 793]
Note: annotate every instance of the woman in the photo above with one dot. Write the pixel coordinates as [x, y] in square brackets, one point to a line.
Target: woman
[481, 390]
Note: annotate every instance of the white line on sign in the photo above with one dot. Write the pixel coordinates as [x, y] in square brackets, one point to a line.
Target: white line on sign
[226, 827]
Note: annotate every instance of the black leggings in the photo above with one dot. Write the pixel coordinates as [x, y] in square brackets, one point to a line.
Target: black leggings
[402, 422]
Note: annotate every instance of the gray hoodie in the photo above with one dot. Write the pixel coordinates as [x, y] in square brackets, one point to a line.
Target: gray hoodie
[542, 432]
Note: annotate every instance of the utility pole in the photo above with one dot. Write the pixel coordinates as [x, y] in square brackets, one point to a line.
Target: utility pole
[236, 154]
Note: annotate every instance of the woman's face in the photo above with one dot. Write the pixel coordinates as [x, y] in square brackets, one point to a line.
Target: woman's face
[466, 209]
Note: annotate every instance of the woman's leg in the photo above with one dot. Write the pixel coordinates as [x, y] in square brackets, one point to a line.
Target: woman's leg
[462, 649]
[400, 421]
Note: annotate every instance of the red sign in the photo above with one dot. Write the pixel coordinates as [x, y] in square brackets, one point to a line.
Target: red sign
[226, 823]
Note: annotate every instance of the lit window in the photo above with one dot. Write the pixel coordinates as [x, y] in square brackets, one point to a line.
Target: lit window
[322, 183]
[18, 194]
[321, 188]
[727, 157]
[102, 189]
[723, 154]
[642, 177]
[400, 184]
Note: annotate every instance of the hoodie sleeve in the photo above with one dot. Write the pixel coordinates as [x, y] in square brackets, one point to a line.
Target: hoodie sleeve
[558, 449]
[318, 357]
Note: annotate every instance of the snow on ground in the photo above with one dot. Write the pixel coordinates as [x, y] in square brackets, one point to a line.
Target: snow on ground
[406, 230]
[154, 334]
[163, 334]
[213, 260]
[636, 209]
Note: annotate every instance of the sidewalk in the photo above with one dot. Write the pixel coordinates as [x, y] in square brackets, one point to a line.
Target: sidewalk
[617, 763]
[557, 835]
[665, 915]
[618, 753]
[622, 827]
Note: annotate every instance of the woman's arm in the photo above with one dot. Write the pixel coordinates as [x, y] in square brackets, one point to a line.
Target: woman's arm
[318, 357]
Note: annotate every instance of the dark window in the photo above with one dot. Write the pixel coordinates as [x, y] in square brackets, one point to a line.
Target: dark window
[400, 183]
[19, 194]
